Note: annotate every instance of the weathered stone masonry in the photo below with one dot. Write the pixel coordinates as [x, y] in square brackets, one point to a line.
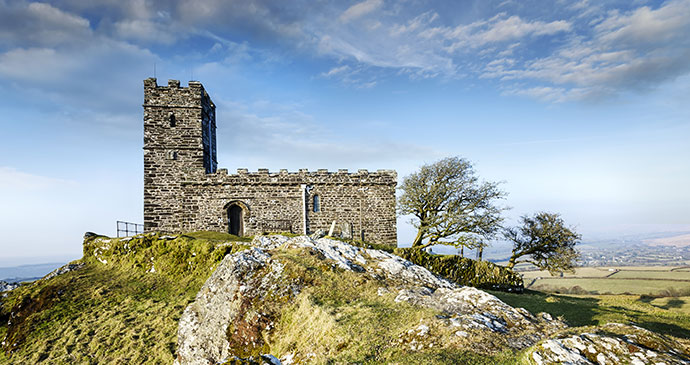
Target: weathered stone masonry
[184, 191]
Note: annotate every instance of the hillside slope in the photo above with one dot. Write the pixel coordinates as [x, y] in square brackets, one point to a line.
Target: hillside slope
[120, 305]
[208, 298]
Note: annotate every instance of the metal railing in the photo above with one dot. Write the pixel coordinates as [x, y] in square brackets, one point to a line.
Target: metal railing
[129, 229]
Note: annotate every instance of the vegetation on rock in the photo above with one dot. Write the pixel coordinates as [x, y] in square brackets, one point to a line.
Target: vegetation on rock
[465, 271]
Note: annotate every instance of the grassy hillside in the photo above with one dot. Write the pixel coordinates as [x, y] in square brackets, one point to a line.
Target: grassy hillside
[649, 280]
[670, 316]
[121, 307]
[124, 304]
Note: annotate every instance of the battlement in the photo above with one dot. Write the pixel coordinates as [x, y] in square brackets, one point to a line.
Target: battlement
[175, 96]
[360, 172]
[303, 176]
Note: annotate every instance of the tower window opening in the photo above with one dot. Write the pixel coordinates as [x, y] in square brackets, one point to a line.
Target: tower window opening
[317, 203]
[172, 120]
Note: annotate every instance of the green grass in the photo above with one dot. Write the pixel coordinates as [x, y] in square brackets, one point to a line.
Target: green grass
[673, 304]
[609, 285]
[577, 310]
[118, 312]
[580, 271]
[218, 236]
[676, 275]
[652, 280]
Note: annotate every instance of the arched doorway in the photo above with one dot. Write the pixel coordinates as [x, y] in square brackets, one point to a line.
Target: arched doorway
[235, 220]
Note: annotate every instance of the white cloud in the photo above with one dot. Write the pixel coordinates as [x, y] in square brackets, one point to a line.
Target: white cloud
[514, 28]
[360, 9]
[637, 50]
[14, 180]
[645, 27]
[265, 134]
[39, 24]
[422, 47]
[548, 93]
[335, 71]
[103, 76]
[145, 30]
[579, 46]
[56, 17]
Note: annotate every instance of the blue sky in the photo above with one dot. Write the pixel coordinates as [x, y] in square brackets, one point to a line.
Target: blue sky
[580, 107]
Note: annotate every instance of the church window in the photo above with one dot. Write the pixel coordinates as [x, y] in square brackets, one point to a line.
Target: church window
[317, 203]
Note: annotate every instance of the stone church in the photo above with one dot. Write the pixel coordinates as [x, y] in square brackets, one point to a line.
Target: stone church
[184, 191]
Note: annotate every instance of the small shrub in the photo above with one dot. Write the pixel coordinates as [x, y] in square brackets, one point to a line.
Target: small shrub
[464, 271]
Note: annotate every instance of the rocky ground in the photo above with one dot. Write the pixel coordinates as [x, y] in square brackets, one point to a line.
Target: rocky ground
[241, 312]
[5, 286]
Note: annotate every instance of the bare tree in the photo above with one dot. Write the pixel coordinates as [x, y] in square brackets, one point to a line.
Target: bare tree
[450, 205]
[544, 241]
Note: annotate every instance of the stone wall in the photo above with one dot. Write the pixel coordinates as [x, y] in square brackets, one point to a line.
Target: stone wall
[363, 200]
[183, 191]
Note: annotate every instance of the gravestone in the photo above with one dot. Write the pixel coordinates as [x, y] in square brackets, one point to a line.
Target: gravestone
[346, 230]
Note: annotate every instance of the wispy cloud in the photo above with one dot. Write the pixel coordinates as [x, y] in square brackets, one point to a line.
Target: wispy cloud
[580, 49]
[631, 51]
[336, 70]
[360, 9]
[15, 180]
[284, 134]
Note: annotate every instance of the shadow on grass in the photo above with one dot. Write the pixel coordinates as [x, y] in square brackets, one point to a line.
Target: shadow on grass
[670, 304]
[674, 303]
[587, 310]
[574, 310]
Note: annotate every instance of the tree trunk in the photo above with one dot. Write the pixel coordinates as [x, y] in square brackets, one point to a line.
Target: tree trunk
[480, 252]
[462, 251]
[418, 240]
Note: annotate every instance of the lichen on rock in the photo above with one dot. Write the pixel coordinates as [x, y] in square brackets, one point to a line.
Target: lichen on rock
[613, 343]
[247, 308]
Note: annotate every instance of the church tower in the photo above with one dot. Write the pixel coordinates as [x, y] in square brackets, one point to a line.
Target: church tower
[179, 143]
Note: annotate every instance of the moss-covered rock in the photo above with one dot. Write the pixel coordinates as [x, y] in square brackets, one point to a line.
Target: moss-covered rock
[613, 343]
[323, 301]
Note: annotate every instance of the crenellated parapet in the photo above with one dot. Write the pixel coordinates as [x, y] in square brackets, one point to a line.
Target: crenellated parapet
[175, 96]
[303, 176]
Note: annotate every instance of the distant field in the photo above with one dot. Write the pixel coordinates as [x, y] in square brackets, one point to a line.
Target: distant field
[579, 272]
[613, 286]
[653, 280]
[672, 275]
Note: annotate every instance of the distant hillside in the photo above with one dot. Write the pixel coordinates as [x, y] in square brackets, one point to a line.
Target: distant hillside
[27, 272]
[677, 241]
